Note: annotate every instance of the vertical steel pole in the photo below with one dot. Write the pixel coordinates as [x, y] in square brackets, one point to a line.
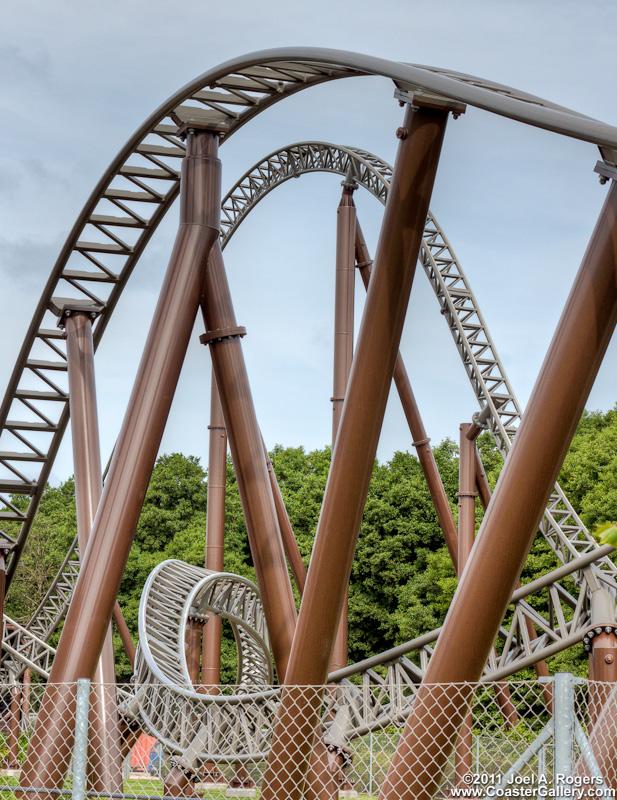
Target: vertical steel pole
[247, 452]
[418, 432]
[564, 729]
[101, 572]
[215, 536]
[80, 748]
[343, 355]
[14, 726]
[513, 516]
[105, 766]
[466, 535]
[601, 642]
[356, 445]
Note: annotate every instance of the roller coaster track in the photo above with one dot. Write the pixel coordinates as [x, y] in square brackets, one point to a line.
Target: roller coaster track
[136, 191]
[117, 223]
[489, 381]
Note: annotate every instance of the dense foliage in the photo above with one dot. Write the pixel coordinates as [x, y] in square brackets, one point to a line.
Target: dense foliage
[402, 580]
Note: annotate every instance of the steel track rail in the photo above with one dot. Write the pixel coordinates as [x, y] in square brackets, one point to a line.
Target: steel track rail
[484, 369]
[137, 189]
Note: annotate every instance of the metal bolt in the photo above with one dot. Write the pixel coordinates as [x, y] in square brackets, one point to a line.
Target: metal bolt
[603, 179]
[608, 629]
[455, 115]
[598, 630]
[402, 133]
[609, 659]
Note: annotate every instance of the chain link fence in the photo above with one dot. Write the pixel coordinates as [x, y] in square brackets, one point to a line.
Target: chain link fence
[519, 739]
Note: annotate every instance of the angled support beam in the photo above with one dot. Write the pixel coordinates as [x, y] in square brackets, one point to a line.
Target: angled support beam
[513, 516]
[246, 447]
[412, 414]
[292, 551]
[354, 453]
[540, 667]
[112, 534]
[105, 762]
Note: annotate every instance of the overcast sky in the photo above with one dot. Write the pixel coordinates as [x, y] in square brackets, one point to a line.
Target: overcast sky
[518, 204]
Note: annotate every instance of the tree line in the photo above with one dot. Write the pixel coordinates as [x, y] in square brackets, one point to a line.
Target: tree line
[402, 580]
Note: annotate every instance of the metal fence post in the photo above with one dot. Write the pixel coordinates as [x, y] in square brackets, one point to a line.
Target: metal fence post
[564, 727]
[80, 750]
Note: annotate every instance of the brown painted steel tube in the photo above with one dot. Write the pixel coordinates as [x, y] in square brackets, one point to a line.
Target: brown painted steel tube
[343, 303]
[215, 536]
[418, 432]
[466, 536]
[104, 762]
[356, 445]
[25, 702]
[14, 726]
[514, 513]
[103, 564]
[292, 551]
[2, 590]
[343, 356]
[124, 633]
[247, 452]
[540, 667]
[193, 649]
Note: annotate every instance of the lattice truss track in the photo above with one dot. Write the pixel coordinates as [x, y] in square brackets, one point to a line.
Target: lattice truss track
[108, 239]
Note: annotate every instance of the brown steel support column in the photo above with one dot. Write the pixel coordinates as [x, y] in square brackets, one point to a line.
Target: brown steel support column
[193, 649]
[356, 445]
[466, 536]
[14, 726]
[103, 564]
[513, 516]
[25, 702]
[601, 642]
[215, 537]
[247, 452]
[3, 554]
[502, 692]
[124, 633]
[343, 355]
[419, 436]
[290, 545]
[104, 762]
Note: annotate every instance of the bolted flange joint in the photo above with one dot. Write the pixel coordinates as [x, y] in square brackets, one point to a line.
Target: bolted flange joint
[596, 630]
[184, 768]
[217, 335]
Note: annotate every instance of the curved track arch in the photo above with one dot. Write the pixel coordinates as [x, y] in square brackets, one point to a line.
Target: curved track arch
[571, 542]
[139, 186]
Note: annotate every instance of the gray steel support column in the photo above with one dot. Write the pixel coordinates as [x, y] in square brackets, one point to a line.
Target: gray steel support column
[564, 728]
[354, 453]
[105, 765]
[80, 748]
[112, 534]
[513, 516]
